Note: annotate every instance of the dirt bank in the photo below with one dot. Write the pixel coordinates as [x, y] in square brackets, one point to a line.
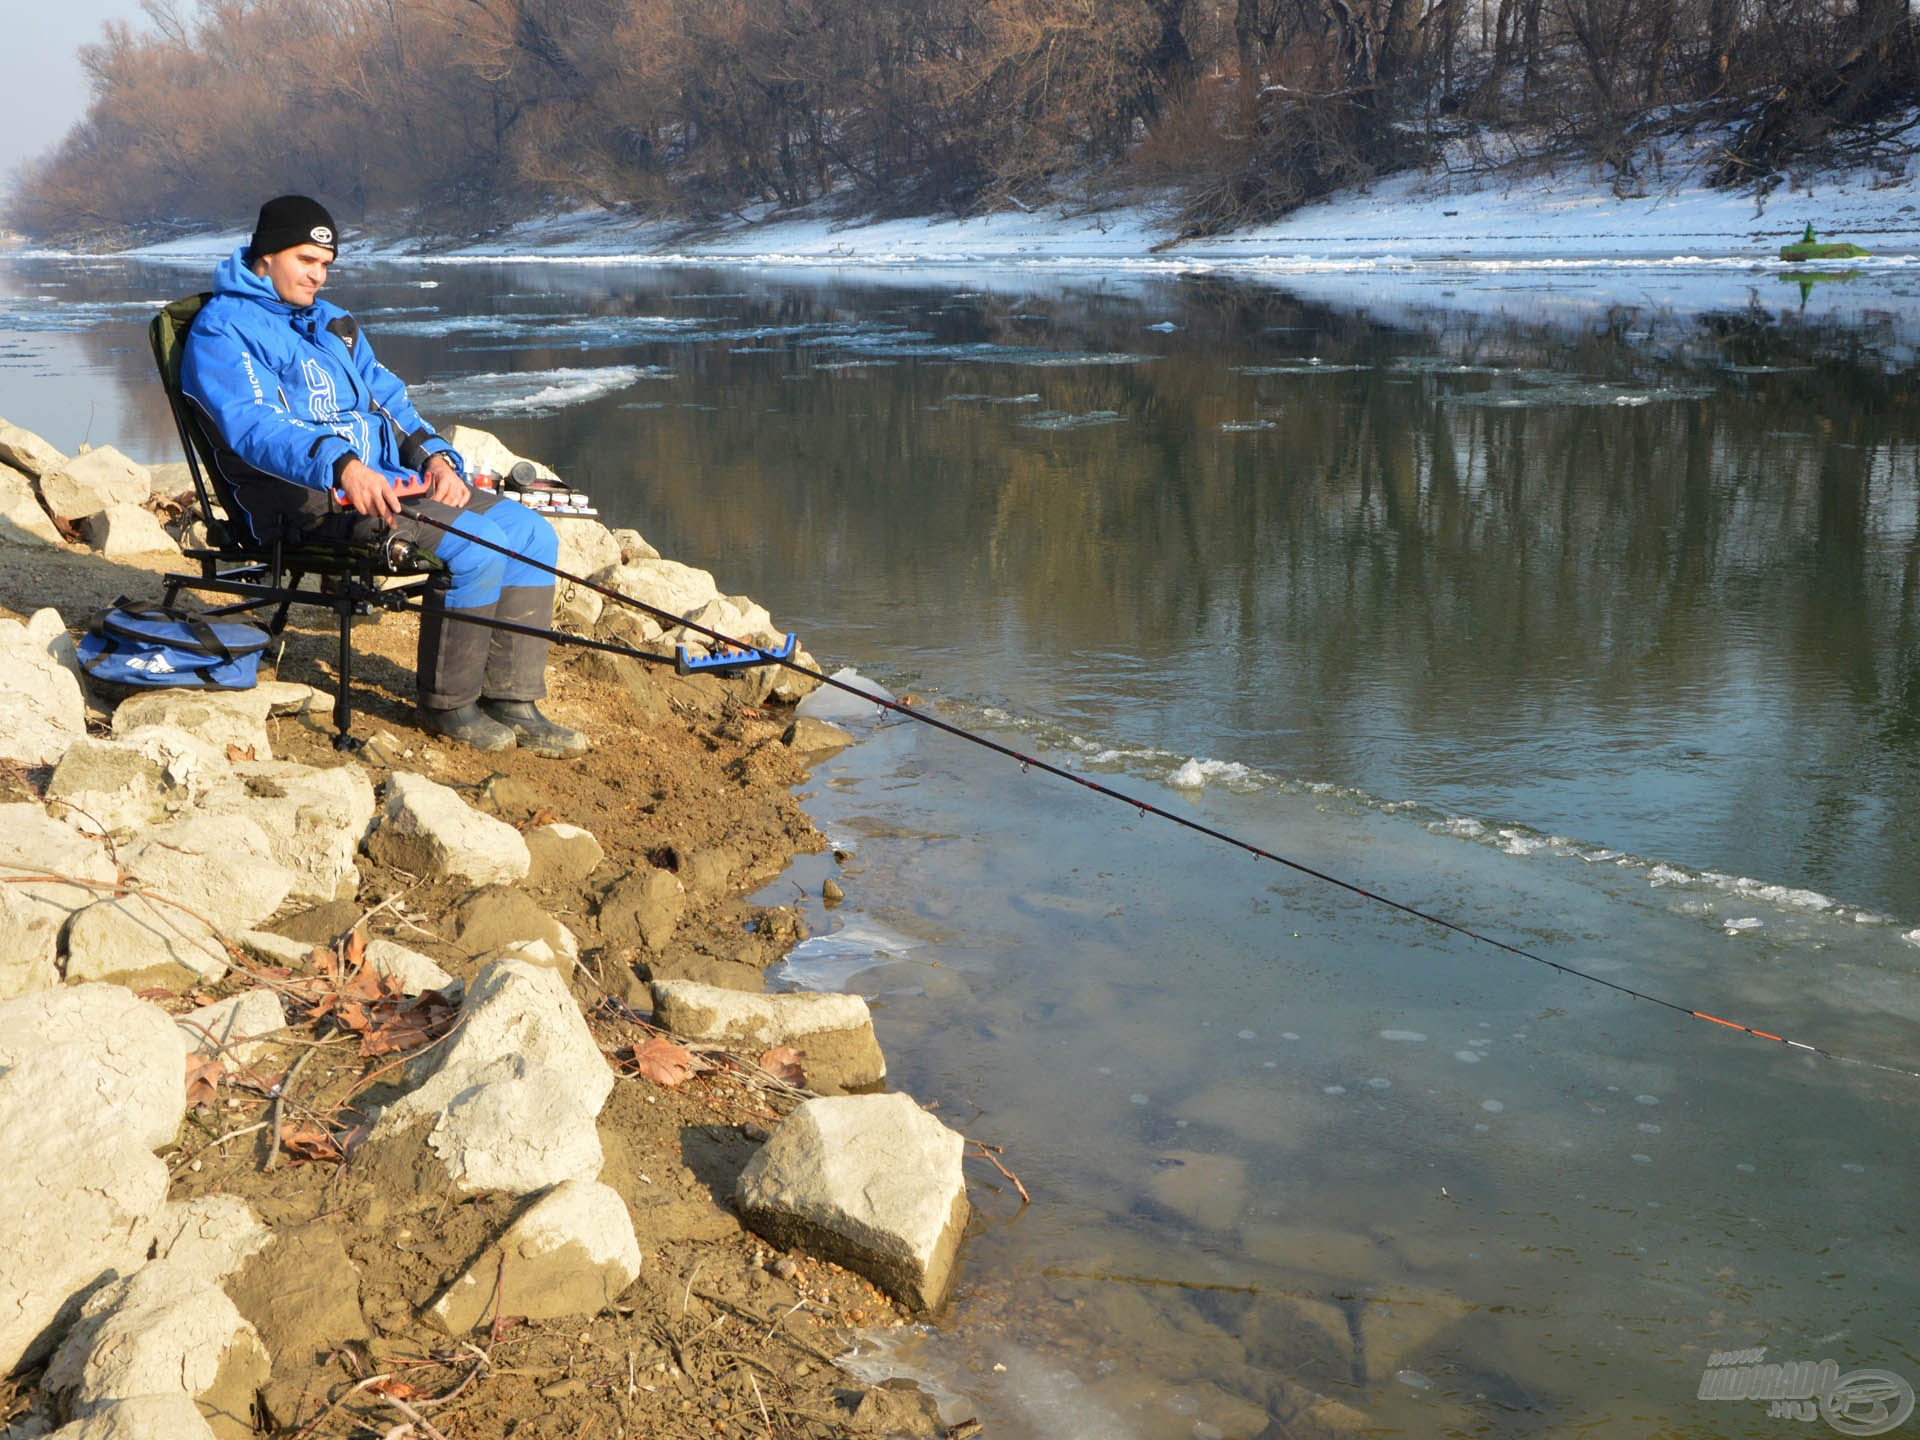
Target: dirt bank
[720, 1336]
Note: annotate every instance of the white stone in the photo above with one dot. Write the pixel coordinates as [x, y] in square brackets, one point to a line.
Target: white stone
[834, 1031]
[664, 584]
[871, 1182]
[506, 1123]
[42, 708]
[586, 546]
[219, 717]
[27, 452]
[428, 830]
[577, 608]
[485, 451]
[108, 787]
[210, 1235]
[186, 760]
[91, 1079]
[315, 818]
[133, 941]
[571, 1253]
[22, 520]
[410, 972]
[514, 1007]
[122, 529]
[563, 852]
[34, 911]
[144, 1417]
[791, 686]
[236, 1029]
[220, 866]
[276, 949]
[89, 483]
[164, 1330]
[633, 546]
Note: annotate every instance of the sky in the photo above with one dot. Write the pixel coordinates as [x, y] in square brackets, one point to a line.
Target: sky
[46, 91]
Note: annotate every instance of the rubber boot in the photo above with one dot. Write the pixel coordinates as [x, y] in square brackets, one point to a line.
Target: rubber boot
[517, 664]
[452, 658]
[470, 725]
[534, 731]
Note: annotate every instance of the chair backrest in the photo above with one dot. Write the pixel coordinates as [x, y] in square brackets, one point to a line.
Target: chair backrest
[168, 333]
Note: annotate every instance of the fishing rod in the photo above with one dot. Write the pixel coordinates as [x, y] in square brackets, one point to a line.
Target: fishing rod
[743, 653]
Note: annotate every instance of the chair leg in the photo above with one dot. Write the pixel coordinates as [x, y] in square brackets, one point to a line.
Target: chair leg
[343, 702]
[279, 621]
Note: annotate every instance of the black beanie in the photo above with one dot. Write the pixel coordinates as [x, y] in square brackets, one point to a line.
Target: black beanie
[289, 220]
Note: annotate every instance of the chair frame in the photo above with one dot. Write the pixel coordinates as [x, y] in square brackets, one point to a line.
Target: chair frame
[260, 575]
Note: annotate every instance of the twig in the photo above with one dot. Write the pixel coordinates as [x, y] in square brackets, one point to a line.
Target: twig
[412, 1414]
[279, 1105]
[799, 1304]
[765, 1419]
[687, 1299]
[219, 1140]
[989, 1153]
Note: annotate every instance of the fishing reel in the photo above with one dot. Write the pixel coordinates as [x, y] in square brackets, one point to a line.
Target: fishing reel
[398, 554]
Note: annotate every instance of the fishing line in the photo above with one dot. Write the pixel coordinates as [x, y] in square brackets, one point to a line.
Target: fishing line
[1145, 807]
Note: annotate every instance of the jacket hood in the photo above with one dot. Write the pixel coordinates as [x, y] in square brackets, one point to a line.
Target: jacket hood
[235, 277]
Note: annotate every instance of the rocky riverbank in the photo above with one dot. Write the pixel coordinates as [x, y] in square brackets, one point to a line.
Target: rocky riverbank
[413, 1091]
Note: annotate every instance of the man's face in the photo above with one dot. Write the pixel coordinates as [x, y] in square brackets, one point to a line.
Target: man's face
[296, 274]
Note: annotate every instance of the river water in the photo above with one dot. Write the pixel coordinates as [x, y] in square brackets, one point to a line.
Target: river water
[1579, 615]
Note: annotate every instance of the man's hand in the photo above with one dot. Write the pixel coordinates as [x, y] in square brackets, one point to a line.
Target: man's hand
[448, 487]
[368, 492]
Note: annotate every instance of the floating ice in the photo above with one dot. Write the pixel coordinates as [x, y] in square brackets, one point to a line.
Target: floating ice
[1061, 420]
[1749, 922]
[1493, 1107]
[1413, 1036]
[1167, 327]
[1648, 1129]
[1288, 1035]
[1137, 1099]
[1380, 1082]
[1646, 1099]
[529, 392]
[1744, 1168]
[1333, 1089]
[1639, 1159]
[1853, 1169]
[1467, 1057]
[1198, 774]
[1248, 1035]
[827, 962]
[1305, 367]
[1462, 825]
[831, 703]
[1412, 1379]
[1237, 427]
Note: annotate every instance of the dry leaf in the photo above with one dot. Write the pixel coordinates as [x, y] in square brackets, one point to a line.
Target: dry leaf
[307, 1142]
[356, 947]
[236, 753]
[399, 1389]
[783, 1062]
[203, 1079]
[661, 1061]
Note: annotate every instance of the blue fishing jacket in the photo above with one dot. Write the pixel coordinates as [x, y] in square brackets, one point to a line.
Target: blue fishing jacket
[290, 394]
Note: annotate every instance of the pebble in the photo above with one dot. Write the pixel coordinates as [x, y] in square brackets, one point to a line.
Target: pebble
[832, 893]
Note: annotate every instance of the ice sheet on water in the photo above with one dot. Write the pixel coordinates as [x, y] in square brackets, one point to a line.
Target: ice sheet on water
[832, 703]
[1060, 420]
[528, 392]
[1574, 392]
[828, 962]
[1198, 774]
[1237, 427]
[1302, 367]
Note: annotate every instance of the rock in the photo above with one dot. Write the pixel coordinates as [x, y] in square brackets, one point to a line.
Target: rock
[302, 1293]
[709, 870]
[510, 1101]
[108, 787]
[577, 608]
[235, 1029]
[22, 520]
[144, 1417]
[164, 1330]
[289, 697]
[644, 906]
[410, 972]
[122, 529]
[572, 1253]
[89, 483]
[42, 708]
[498, 918]
[132, 941]
[221, 866]
[508, 1124]
[586, 546]
[683, 964]
[220, 718]
[790, 686]
[663, 584]
[633, 546]
[210, 1235]
[314, 817]
[33, 912]
[484, 451]
[184, 759]
[728, 617]
[871, 1182]
[27, 452]
[834, 1031]
[898, 1409]
[278, 949]
[172, 480]
[90, 1083]
[561, 854]
[808, 737]
[426, 829]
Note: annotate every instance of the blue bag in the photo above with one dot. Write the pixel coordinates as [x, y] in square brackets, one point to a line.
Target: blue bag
[151, 646]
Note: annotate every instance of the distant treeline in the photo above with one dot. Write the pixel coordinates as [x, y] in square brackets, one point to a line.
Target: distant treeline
[462, 114]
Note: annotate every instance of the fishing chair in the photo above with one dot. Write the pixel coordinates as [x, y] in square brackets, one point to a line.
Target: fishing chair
[257, 576]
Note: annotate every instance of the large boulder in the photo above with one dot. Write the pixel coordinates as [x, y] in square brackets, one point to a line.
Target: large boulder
[870, 1182]
[427, 829]
[165, 1330]
[122, 529]
[140, 943]
[571, 1253]
[562, 853]
[834, 1032]
[210, 1235]
[91, 1080]
[27, 452]
[514, 1007]
[586, 546]
[315, 818]
[220, 866]
[90, 483]
[22, 520]
[35, 905]
[239, 1028]
[499, 918]
[664, 584]
[301, 1291]
[42, 708]
[220, 718]
[145, 1417]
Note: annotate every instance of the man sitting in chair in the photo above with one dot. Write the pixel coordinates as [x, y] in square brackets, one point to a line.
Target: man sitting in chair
[311, 432]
